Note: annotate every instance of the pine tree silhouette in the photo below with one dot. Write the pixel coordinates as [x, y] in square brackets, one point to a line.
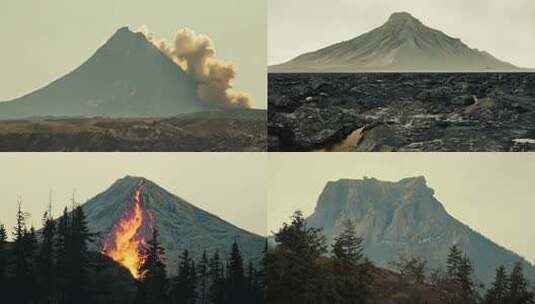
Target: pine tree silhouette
[293, 274]
[23, 256]
[519, 287]
[153, 276]
[203, 278]
[499, 291]
[352, 271]
[184, 289]
[3, 258]
[45, 260]
[236, 276]
[217, 287]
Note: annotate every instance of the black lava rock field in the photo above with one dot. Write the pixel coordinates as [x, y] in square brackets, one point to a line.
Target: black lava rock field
[402, 112]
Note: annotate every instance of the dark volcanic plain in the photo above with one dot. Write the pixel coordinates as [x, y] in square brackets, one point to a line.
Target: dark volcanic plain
[402, 112]
[228, 130]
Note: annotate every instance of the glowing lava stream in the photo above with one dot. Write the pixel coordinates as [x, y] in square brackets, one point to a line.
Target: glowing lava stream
[127, 241]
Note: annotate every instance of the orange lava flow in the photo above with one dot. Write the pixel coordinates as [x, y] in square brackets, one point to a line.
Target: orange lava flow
[126, 242]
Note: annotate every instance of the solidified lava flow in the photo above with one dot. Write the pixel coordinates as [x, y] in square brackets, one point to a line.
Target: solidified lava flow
[407, 112]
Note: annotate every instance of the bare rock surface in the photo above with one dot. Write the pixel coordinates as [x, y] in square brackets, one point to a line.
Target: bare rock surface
[406, 217]
[403, 111]
[229, 130]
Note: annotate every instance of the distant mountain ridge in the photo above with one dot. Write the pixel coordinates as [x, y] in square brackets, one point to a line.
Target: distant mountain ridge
[126, 77]
[403, 43]
[404, 217]
[180, 224]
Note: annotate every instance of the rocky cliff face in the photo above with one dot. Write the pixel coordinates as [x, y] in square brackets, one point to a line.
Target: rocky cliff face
[405, 218]
[402, 43]
[180, 224]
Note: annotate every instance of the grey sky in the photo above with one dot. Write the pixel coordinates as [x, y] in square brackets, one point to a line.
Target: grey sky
[229, 185]
[43, 40]
[506, 29]
[493, 193]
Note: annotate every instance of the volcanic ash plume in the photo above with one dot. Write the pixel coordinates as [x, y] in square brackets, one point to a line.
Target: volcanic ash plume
[195, 54]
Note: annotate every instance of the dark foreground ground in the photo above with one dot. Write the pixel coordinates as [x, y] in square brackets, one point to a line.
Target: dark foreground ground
[402, 112]
[231, 130]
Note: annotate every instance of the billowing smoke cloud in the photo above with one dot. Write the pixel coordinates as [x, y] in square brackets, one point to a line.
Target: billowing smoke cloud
[195, 54]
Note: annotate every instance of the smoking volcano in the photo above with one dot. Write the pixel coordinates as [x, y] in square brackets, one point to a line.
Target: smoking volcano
[126, 214]
[128, 76]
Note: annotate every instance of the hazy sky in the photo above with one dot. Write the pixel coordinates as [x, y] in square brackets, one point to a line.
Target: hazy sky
[506, 29]
[229, 185]
[493, 193]
[43, 40]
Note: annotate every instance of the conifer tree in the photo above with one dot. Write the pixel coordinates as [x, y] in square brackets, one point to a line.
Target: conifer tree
[184, 289]
[461, 285]
[62, 242]
[45, 259]
[519, 289]
[3, 253]
[193, 283]
[3, 234]
[77, 257]
[499, 291]
[351, 270]
[307, 242]
[347, 246]
[293, 274]
[254, 288]
[19, 233]
[453, 263]
[30, 249]
[261, 272]
[153, 276]
[203, 278]
[216, 289]
[22, 257]
[250, 278]
[236, 276]
[465, 277]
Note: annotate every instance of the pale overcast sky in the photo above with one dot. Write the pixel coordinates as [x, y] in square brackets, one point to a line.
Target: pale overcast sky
[43, 40]
[506, 29]
[493, 193]
[229, 185]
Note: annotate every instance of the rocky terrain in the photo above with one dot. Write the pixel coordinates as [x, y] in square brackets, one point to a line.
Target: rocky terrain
[404, 217]
[402, 112]
[402, 43]
[229, 130]
[180, 224]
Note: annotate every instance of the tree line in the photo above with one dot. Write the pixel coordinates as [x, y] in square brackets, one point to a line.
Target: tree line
[301, 269]
[55, 266]
[51, 268]
[459, 285]
[207, 281]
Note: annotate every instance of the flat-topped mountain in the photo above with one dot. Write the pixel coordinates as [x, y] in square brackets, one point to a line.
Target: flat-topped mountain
[126, 77]
[403, 43]
[404, 217]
